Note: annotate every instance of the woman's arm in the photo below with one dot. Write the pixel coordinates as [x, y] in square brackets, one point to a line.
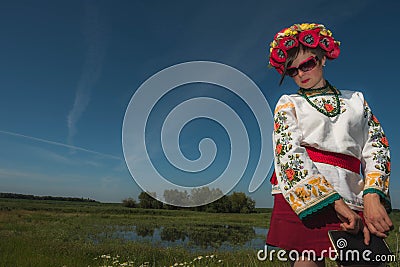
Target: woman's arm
[305, 189]
[376, 170]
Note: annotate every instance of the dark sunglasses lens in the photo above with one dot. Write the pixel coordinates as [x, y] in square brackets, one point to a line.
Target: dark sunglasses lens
[306, 66]
[309, 65]
[291, 72]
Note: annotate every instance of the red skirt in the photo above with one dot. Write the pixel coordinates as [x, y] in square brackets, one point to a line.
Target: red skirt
[288, 232]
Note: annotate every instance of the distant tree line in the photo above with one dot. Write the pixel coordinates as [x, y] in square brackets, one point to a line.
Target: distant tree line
[237, 202]
[32, 197]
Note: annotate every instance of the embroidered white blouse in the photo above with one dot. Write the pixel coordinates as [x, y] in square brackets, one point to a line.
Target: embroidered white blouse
[309, 186]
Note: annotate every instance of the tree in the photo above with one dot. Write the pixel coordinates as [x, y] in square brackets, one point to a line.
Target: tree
[147, 200]
[221, 205]
[129, 203]
[204, 195]
[177, 198]
[240, 203]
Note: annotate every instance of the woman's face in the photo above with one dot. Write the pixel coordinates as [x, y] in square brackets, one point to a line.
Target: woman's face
[312, 78]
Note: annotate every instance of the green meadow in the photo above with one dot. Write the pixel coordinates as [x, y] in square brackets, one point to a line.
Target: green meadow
[61, 233]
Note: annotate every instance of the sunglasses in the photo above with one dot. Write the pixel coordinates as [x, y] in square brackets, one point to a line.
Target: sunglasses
[307, 65]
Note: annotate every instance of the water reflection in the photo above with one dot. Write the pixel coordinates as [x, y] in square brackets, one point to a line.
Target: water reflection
[172, 234]
[217, 235]
[144, 230]
[198, 237]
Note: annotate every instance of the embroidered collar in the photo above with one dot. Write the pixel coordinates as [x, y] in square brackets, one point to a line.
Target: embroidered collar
[328, 89]
[329, 109]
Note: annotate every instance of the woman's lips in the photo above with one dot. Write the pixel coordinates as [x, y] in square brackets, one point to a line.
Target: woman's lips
[304, 81]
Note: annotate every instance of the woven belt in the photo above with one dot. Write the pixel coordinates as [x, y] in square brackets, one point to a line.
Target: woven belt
[336, 159]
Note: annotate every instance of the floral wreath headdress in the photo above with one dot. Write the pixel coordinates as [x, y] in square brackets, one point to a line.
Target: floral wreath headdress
[308, 34]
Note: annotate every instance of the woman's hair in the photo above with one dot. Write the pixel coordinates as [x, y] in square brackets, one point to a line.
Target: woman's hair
[292, 54]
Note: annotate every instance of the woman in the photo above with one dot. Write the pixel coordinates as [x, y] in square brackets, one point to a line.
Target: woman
[321, 137]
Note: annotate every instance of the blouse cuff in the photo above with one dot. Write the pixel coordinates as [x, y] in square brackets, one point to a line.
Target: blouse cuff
[320, 205]
[385, 200]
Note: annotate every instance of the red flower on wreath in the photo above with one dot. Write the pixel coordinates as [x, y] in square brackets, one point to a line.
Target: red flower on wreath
[327, 43]
[290, 174]
[334, 53]
[328, 107]
[274, 63]
[280, 69]
[276, 126]
[309, 38]
[278, 55]
[288, 42]
[277, 65]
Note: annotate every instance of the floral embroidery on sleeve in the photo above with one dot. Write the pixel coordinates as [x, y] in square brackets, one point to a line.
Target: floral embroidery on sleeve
[376, 162]
[283, 143]
[293, 171]
[305, 189]
[342, 106]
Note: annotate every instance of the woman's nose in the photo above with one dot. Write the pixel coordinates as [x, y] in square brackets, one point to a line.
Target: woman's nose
[300, 73]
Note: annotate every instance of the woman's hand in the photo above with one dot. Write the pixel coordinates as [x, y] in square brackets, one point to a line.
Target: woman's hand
[351, 221]
[375, 216]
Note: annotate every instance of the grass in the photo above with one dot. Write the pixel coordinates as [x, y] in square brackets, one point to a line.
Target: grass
[57, 233]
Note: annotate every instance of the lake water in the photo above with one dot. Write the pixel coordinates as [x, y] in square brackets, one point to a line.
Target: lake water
[206, 238]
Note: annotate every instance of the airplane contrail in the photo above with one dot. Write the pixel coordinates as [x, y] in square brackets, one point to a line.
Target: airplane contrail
[60, 144]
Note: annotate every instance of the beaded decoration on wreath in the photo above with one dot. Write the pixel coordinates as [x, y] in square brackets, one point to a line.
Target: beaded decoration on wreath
[308, 34]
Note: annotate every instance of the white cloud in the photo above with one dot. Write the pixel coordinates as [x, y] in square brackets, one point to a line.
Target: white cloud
[95, 32]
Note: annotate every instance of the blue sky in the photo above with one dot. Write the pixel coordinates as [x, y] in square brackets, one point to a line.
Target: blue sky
[70, 68]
